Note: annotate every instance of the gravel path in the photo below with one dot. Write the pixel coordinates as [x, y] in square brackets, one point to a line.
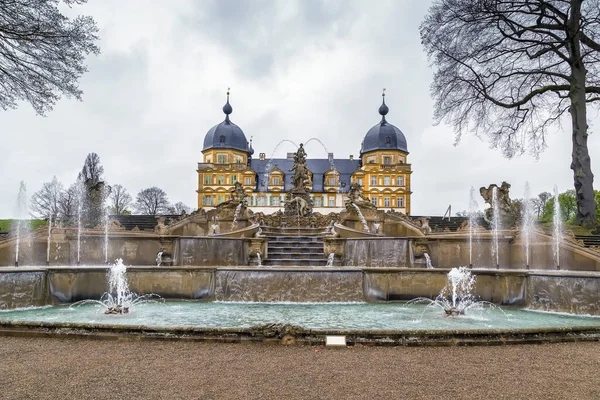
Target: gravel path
[40, 368]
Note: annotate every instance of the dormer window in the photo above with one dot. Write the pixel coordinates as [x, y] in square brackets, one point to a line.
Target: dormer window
[388, 140]
[222, 139]
[387, 160]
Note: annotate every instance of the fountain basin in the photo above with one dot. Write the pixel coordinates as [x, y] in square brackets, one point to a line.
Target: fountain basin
[383, 324]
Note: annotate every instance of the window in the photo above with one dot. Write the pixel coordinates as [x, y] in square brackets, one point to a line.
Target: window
[220, 180]
[400, 201]
[208, 179]
[248, 181]
[374, 201]
[318, 202]
[386, 201]
[233, 179]
[207, 200]
[261, 200]
[331, 181]
[373, 181]
[400, 181]
[386, 180]
[220, 199]
[208, 160]
[371, 160]
[387, 160]
[276, 181]
[359, 181]
[275, 201]
[222, 159]
[332, 202]
[238, 160]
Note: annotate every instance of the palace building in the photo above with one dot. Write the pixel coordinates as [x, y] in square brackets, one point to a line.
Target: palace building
[381, 169]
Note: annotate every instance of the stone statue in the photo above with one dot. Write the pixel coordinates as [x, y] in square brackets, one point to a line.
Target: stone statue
[298, 202]
[238, 195]
[509, 212]
[425, 228]
[355, 197]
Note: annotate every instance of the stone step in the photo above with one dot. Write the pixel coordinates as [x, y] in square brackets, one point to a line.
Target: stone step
[295, 262]
[289, 243]
[303, 238]
[295, 256]
[291, 249]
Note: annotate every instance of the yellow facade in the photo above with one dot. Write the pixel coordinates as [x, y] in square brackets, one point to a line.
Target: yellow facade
[385, 179]
[384, 176]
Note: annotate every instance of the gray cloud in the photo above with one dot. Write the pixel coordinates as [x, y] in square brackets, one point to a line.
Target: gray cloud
[297, 69]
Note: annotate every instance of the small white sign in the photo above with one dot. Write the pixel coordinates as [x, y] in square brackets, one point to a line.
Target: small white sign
[335, 340]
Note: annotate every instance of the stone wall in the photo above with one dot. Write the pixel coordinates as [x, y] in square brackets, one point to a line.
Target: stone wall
[562, 291]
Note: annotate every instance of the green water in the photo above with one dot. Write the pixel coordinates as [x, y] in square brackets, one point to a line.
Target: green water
[393, 316]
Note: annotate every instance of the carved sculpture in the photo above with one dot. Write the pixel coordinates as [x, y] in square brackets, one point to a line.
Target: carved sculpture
[509, 212]
[298, 202]
[425, 228]
[355, 197]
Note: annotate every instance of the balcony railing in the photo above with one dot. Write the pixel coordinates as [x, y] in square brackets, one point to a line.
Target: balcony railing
[236, 166]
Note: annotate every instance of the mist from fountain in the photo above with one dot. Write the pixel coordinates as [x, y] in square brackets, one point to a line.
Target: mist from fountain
[329, 158]
[118, 299]
[456, 298]
[363, 220]
[269, 165]
[80, 190]
[472, 222]
[495, 226]
[330, 260]
[258, 259]
[236, 215]
[428, 263]
[48, 241]
[159, 258]
[557, 225]
[528, 221]
[21, 212]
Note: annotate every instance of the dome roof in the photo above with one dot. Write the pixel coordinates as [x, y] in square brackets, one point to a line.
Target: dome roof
[227, 135]
[384, 136]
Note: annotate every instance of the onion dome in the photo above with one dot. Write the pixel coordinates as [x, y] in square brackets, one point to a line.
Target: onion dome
[227, 135]
[384, 136]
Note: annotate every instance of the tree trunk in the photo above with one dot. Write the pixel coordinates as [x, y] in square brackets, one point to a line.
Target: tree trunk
[581, 163]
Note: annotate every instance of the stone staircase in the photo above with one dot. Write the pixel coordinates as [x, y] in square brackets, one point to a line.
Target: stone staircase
[295, 247]
[589, 240]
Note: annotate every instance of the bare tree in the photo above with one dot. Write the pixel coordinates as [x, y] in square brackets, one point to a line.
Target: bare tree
[152, 201]
[179, 208]
[120, 200]
[68, 203]
[42, 52]
[95, 190]
[512, 69]
[46, 201]
[91, 173]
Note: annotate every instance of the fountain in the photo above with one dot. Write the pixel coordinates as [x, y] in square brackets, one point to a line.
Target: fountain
[236, 215]
[363, 220]
[269, 165]
[472, 222]
[428, 263]
[258, 259]
[557, 224]
[527, 222]
[159, 258]
[21, 215]
[298, 202]
[330, 260]
[329, 157]
[48, 241]
[118, 300]
[456, 297]
[80, 190]
[495, 226]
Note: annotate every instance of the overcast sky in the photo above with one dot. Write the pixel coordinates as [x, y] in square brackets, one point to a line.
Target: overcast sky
[297, 70]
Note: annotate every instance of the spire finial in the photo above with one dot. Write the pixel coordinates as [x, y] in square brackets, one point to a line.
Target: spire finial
[383, 109]
[227, 109]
